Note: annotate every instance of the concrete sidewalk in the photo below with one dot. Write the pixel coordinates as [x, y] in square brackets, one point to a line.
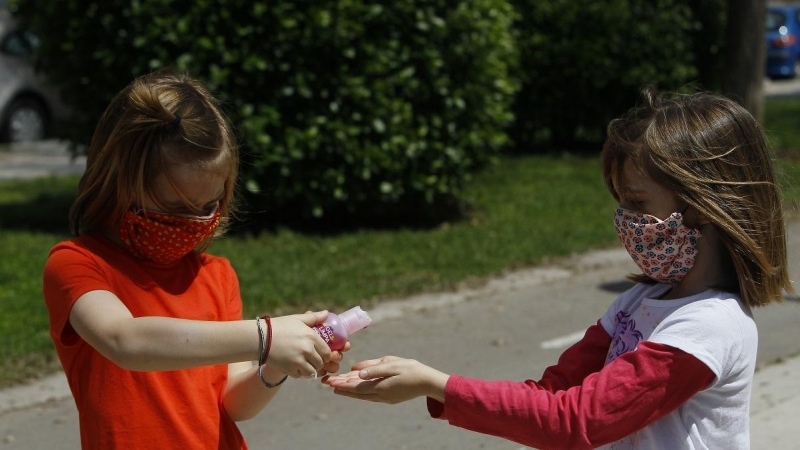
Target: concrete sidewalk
[775, 406]
[38, 159]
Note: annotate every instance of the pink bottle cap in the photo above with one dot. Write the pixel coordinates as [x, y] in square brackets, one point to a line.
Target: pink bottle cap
[355, 319]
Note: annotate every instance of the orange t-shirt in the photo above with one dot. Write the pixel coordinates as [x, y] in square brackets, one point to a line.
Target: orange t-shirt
[123, 409]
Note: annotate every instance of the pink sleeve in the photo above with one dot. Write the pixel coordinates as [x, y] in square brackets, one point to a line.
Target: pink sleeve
[633, 391]
[583, 358]
[587, 356]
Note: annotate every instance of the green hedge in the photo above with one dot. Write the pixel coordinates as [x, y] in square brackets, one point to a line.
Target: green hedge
[584, 62]
[344, 108]
[352, 111]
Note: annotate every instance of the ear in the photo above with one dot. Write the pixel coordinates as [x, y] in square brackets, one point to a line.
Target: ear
[695, 218]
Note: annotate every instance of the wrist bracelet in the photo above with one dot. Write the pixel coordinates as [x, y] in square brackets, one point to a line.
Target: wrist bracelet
[267, 384]
[268, 345]
[262, 354]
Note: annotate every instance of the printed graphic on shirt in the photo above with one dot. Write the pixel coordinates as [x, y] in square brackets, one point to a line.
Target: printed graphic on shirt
[625, 339]
[626, 336]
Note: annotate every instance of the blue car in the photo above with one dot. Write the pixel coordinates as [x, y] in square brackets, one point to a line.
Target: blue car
[783, 41]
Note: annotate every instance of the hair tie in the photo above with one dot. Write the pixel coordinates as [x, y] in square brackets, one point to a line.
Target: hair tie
[176, 120]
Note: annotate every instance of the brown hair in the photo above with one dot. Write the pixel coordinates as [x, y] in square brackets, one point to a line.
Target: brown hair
[160, 123]
[713, 154]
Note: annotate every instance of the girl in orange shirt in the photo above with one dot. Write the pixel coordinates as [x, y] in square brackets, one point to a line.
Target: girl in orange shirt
[147, 326]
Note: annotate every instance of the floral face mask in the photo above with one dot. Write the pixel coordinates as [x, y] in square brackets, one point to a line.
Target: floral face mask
[165, 238]
[664, 250]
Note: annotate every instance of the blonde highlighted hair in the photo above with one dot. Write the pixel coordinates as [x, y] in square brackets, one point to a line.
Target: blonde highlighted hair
[159, 124]
[713, 154]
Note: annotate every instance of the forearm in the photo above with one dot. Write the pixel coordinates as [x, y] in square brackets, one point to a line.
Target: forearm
[162, 343]
[245, 394]
[627, 395]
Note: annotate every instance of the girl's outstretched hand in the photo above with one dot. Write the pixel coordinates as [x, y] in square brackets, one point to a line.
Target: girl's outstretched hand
[389, 380]
[297, 350]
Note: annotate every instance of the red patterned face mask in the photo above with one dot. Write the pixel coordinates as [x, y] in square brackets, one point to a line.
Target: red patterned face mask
[165, 238]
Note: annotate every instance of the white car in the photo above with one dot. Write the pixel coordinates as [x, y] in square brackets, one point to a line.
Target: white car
[27, 106]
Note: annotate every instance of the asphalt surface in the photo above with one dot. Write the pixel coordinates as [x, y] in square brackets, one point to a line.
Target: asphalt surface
[512, 327]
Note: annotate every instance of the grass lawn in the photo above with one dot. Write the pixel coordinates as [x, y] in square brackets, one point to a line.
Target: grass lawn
[782, 119]
[525, 211]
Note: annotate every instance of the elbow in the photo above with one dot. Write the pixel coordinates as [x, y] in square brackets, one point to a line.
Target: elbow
[125, 351]
[240, 411]
[241, 416]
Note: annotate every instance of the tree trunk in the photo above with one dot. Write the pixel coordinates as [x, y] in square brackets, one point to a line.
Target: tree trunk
[745, 53]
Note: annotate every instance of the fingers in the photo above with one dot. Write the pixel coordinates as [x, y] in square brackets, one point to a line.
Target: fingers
[366, 363]
[336, 357]
[357, 385]
[314, 360]
[328, 368]
[311, 318]
[373, 362]
[341, 377]
[322, 349]
[296, 349]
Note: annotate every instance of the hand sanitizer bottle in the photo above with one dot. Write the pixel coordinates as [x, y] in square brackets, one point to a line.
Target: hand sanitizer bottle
[337, 327]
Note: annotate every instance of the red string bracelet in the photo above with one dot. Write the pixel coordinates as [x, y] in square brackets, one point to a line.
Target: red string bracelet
[269, 338]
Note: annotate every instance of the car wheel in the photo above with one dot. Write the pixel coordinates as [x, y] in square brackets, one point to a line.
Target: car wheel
[26, 121]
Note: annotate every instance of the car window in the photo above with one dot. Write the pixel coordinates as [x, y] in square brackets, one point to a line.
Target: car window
[775, 20]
